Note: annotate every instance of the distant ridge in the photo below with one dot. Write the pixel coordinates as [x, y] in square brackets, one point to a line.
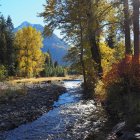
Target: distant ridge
[55, 45]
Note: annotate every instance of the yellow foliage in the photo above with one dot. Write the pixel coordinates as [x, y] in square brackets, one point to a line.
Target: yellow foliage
[107, 55]
[100, 90]
[28, 43]
[111, 56]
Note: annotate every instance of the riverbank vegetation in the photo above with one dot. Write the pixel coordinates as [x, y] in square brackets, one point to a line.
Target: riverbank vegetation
[104, 36]
[105, 48]
[14, 89]
[21, 55]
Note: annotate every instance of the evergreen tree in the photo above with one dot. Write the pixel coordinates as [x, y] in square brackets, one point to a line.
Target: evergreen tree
[10, 47]
[47, 58]
[50, 69]
[3, 43]
[7, 53]
[50, 63]
[55, 64]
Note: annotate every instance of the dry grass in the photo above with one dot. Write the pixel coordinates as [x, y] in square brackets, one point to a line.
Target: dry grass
[19, 87]
[34, 80]
[11, 91]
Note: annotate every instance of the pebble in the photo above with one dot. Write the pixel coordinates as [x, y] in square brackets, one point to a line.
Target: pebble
[27, 108]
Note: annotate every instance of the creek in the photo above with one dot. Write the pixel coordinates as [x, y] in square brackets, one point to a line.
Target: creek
[72, 118]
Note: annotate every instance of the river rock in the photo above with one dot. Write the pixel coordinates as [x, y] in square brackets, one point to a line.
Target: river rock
[129, 136]
[6, 125]
[122, 134]
[137, 128]
[118, 129]
[17, 111]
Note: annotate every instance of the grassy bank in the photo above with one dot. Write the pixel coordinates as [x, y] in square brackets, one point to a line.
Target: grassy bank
[42, 79]
[12, 89]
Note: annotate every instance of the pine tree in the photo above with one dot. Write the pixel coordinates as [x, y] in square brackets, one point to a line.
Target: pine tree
[3, 44]
[10, 46]
[55, 64]
[50, 63]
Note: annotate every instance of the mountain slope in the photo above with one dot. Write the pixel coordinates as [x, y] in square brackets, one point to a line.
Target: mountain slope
[55, 45]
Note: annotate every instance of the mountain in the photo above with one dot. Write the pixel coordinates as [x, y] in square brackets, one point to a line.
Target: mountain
[57, 47]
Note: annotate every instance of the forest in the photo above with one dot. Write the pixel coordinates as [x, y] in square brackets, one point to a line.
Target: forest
[104, 40]
[21, 55]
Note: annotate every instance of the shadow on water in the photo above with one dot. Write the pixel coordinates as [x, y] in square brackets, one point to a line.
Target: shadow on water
[72, 118]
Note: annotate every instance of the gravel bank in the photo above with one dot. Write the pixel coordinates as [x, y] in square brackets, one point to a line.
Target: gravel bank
[26, 108]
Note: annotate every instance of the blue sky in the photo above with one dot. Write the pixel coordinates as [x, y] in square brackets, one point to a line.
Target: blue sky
[23, 10]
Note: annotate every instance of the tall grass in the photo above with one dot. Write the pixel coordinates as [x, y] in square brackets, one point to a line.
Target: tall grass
[11, 91]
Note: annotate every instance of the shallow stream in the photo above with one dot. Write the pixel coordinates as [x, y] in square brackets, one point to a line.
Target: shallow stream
[71, 118]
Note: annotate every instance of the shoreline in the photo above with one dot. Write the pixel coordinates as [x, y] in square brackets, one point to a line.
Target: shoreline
[29, 107]
[43, 79]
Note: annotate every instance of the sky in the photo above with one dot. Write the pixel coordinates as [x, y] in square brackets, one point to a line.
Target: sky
[24, 10]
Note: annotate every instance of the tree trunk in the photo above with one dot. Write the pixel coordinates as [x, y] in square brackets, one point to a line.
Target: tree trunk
[95, 51]
[127, 29]
[82, 49]
[82, 62]
[136, 31]
[93, 38]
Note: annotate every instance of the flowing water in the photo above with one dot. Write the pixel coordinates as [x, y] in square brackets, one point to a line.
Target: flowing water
[71, 118]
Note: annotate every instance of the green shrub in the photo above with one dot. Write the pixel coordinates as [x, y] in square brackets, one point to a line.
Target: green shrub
[3, 72]
[123, 104]
[51, 71]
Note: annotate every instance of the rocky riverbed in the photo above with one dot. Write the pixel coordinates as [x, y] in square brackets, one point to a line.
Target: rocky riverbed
[72, 118]
[22, 109]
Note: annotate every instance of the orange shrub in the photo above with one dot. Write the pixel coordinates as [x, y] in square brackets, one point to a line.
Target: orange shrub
[128, 68]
